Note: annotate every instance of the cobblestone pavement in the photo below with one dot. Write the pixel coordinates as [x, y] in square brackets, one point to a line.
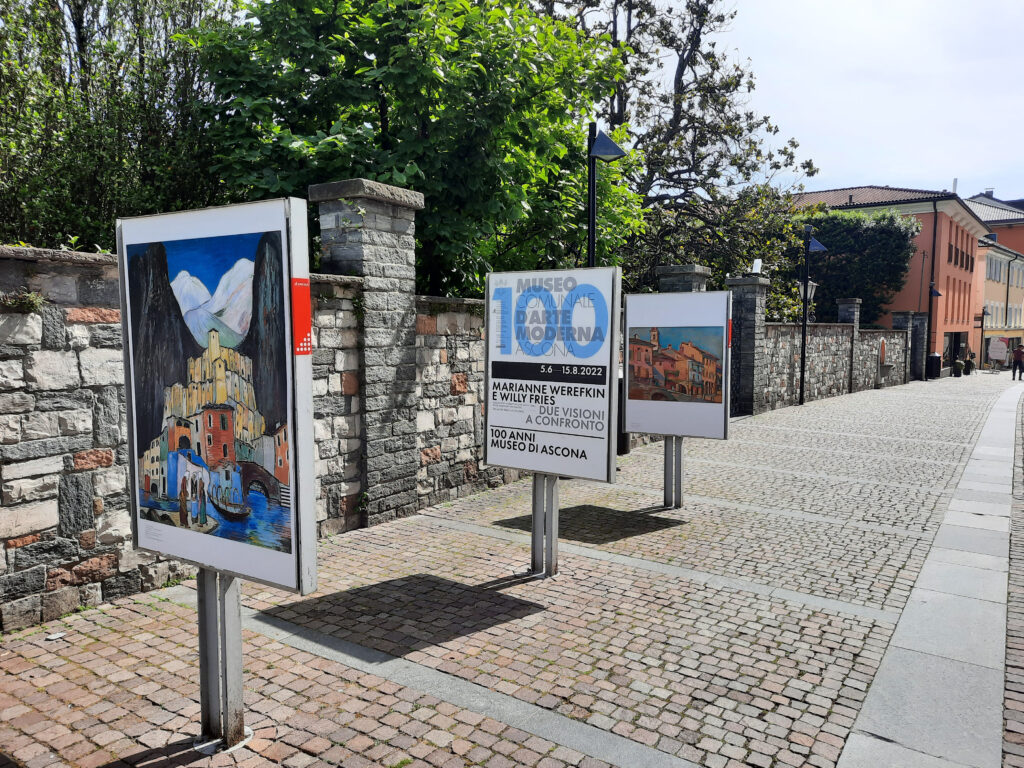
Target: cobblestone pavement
[741, 630]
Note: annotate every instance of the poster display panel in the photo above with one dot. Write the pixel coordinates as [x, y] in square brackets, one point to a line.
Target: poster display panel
[552, 371]
[677, 363]
[219, 388]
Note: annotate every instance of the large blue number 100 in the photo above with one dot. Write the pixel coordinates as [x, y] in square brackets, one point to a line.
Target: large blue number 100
[510, 322]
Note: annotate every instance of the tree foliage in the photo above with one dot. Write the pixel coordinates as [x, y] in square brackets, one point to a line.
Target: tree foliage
[475, 104]
[709, 177]
[867, 258]
[99, 116]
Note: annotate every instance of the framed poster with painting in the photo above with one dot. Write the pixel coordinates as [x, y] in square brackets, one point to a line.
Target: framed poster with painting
[216, 317]
[677, 363]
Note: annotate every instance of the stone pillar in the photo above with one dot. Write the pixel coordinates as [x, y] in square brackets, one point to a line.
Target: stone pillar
[684, 278]
[749, 367]
[904, 321]
[367, 229]
[849, 312]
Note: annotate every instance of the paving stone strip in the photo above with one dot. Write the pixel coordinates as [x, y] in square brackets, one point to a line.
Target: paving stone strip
[937, 699]
[1013, 697]
[692, 574]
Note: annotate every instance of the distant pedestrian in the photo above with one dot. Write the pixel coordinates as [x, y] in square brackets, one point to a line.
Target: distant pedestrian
[1018, 362]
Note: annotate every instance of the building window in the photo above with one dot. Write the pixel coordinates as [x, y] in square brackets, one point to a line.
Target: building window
[224, 450]
[280, 462]
[223, 421]
[209, 439]
[209, 420]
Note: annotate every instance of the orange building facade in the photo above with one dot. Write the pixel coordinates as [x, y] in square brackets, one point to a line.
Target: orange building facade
[943, 279]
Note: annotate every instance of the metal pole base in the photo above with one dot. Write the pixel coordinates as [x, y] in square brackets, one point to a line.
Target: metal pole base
[673, 472]
[544, 542]
[220, 661]
[216, 746]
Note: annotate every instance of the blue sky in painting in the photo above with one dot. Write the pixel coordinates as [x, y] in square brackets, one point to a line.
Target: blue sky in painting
[707, 337]
[206, 258]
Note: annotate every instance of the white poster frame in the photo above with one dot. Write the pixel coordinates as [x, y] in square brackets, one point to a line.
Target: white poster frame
[295, 571]
[608, 281]
[679, 418]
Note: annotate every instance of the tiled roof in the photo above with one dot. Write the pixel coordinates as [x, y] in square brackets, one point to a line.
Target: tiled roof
[858, 196]
[988, 209]
[984, 242]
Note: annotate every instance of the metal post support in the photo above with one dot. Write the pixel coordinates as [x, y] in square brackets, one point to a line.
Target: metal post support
[678, 473]
[544, 545]
[232, 713]
[670, 463]
[673, 472]
[537, 544]
[551, 528]
[209, 655]
[220, 663]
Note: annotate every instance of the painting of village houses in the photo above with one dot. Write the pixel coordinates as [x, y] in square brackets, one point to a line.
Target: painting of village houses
[681, 364]
[210, 396]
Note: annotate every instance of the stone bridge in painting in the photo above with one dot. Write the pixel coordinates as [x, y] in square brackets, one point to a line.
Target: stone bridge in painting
[255, 477]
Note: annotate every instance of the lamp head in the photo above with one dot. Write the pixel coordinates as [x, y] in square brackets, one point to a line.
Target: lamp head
[605, 149]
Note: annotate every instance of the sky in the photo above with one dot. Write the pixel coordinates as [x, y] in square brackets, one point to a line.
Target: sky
[905, 93]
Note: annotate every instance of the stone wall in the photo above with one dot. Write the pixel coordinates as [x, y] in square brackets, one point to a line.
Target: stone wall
[64, 527]
[830, 369]
[337, 412]
[827, 369]
[65, 530]
[449, 422]
[867, 374]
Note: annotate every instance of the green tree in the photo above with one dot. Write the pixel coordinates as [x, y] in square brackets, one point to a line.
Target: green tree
[867, 258]
[476, 105]
[99, 116]
[710, 170]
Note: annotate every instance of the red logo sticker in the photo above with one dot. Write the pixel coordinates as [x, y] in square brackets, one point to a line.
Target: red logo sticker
[302, 317]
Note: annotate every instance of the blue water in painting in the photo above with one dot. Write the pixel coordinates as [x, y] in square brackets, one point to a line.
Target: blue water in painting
[268, 525]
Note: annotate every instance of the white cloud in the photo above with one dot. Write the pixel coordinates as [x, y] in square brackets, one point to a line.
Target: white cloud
[901, 92]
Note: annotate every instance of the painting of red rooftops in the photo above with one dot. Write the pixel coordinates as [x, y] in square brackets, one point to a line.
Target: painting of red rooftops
[681, 364]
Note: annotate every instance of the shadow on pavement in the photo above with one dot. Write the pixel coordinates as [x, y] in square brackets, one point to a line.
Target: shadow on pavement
[411, 613]
[592, 524]
[171, 755]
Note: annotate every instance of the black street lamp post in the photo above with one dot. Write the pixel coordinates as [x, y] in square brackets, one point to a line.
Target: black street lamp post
[599, 147]
[806, 295]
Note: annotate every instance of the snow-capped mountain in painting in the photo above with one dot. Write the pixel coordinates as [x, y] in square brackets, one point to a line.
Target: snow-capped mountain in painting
[228, 310]
[232, 301]
[189, 291]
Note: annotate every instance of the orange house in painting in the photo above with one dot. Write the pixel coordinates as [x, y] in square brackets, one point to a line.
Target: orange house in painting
[943, 280]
